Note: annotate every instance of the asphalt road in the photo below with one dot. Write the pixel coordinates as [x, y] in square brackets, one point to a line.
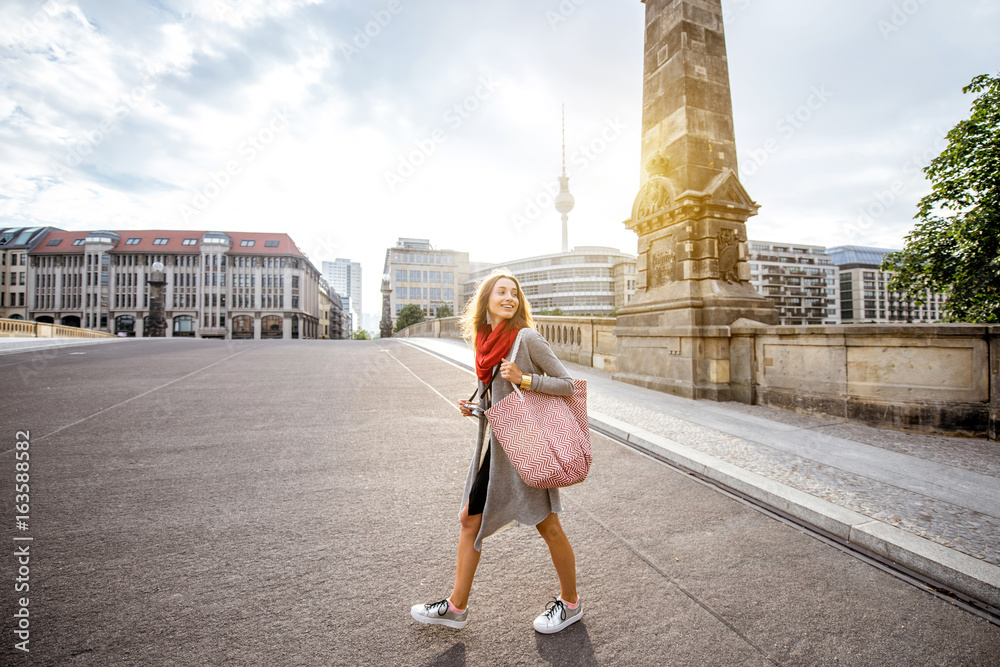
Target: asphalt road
[285, 502]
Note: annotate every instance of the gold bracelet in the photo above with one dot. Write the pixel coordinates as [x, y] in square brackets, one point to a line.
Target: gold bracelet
[525, 382]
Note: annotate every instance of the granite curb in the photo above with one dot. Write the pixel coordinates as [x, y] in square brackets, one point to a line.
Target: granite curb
[954, 569]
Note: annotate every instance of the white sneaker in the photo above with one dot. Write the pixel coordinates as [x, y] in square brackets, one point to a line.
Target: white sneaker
[439, 613]
[558, 616]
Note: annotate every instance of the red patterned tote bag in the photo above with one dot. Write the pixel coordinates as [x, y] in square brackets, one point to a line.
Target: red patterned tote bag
[546, 437]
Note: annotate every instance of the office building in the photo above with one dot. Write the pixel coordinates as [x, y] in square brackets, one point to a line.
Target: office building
[219, 284]
[864, 292]
[799, 280]
[15, 243]
[580, 282]
[428, 277]
[344, 276]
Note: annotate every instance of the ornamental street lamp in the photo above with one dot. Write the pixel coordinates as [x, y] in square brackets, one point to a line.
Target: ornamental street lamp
[157, 317]
[385, 326]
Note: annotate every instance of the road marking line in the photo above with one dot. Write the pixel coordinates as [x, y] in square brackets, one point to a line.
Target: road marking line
[437, 356]
[129, 400]
[446, 399]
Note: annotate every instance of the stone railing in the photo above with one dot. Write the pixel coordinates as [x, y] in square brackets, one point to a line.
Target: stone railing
[589, 341]
[444, 327]
[26, 329]
[942, 379]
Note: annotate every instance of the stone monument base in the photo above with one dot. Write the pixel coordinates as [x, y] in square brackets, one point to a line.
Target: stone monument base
[675, 338]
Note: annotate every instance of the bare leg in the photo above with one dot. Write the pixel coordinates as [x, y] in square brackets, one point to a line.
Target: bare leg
[468, 558]
[562, 555]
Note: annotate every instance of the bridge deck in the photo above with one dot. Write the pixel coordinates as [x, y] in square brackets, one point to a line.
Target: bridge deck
[207, 502]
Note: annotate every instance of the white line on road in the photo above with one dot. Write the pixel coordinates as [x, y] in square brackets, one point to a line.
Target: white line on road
[447, 400]
[129, 400]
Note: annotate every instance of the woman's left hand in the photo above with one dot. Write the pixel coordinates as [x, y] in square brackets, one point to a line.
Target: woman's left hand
[510, 372]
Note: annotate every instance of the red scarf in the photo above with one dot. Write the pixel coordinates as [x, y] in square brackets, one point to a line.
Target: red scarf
[492, 345]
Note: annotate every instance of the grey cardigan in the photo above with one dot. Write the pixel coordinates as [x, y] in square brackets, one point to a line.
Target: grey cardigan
[509, 501]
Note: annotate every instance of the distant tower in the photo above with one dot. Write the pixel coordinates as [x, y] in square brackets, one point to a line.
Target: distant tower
[564, 200]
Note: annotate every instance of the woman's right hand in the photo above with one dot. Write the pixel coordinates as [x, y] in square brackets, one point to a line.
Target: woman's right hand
[464, 408]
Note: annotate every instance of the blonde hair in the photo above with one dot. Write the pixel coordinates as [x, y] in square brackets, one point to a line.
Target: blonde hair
[476, 310]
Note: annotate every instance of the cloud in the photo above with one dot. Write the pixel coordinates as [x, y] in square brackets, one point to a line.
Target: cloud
[146, 104]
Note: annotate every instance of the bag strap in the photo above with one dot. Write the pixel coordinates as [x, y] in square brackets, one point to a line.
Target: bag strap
[488, 384]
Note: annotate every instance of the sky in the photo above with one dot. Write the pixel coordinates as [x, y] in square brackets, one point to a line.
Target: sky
[351, 123]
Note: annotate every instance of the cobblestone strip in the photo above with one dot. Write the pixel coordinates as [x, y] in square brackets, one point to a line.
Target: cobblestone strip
[970, 532]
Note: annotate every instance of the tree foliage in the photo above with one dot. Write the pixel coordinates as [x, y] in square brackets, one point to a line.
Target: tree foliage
[360, 334]
[444, 311]
[409, 314]
[955, 247]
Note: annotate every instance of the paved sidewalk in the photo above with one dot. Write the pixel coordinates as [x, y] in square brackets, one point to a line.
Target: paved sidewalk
[930, 504]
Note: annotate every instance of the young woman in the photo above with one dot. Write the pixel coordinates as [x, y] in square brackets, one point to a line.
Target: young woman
[495, 496]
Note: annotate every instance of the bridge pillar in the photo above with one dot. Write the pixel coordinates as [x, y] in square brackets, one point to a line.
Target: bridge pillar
[690, 214]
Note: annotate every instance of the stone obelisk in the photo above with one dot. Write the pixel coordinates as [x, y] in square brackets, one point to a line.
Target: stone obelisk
[690, 213]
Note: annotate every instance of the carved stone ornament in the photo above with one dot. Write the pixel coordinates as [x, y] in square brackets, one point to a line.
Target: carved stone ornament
[729, 255]
[657, 193]
[654, 196]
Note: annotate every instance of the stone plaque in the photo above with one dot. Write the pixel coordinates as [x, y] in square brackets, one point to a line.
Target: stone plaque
[660, 262]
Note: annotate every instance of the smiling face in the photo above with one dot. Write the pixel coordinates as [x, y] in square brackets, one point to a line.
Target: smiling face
[503, 301]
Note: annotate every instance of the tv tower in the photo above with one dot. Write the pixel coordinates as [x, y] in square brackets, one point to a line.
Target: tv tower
[564, 200]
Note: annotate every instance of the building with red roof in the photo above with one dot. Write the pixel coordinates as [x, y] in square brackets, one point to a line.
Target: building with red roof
[219, 284]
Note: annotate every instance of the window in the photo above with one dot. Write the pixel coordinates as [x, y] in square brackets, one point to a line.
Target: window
[448, 277]
[270, 244]
[435, 276]
[132, 241]
[414, 276]
[295, 282]
[189, 242]
[160, 241]
[79, 241]
[53, 242]
[402, 275]
[246, 244]
[415, 293]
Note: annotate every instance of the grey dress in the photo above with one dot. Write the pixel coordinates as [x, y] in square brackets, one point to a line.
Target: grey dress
[509, 500]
